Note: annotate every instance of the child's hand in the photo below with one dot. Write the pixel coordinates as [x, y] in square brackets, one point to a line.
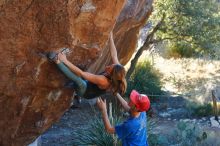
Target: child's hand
[62, 57]
[101, 104]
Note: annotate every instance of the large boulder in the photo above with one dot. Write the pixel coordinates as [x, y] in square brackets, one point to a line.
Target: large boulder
[32, 96]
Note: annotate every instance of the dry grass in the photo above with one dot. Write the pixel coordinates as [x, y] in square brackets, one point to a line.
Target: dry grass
[194, 78]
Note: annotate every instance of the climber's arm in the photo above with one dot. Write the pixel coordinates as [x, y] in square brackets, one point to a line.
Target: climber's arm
[113, 50]
[123, 102]
[96, 79]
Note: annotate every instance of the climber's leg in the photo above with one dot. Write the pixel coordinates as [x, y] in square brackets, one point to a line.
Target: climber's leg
[81, 84]
[70, 84]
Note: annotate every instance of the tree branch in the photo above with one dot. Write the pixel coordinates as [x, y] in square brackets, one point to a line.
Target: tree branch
[145, 46]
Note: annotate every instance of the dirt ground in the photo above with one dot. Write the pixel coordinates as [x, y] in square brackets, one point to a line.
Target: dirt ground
[62, 132]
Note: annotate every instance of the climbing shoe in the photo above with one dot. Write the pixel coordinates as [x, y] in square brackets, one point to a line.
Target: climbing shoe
[52, 56]
[76, 102]
[78, 99]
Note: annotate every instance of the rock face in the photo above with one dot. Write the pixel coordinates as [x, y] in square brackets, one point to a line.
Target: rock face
[32, 96]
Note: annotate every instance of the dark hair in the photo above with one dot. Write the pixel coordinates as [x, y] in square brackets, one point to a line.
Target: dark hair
[118, 81]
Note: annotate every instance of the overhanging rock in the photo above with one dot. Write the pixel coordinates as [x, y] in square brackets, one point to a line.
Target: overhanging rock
[32, 96]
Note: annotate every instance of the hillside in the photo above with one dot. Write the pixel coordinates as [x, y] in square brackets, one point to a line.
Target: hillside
[192, 78]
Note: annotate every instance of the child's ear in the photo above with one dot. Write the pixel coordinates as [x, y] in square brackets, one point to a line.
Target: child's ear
[133, 107]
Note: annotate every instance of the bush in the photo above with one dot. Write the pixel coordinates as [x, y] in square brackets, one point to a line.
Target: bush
[145, 79]
[180, 50]
[189, 134]
[200, 110]
[155, 139]
[184, 134]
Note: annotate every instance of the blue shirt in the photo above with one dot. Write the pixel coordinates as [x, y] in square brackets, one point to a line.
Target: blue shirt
[133, 132]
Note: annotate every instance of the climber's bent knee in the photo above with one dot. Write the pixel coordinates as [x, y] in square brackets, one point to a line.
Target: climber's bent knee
[81, 88]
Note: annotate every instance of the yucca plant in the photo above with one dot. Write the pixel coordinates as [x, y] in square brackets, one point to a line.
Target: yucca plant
[96, 134]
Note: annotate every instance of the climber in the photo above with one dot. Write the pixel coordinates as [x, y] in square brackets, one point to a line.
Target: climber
[90, 85]
[133, 131]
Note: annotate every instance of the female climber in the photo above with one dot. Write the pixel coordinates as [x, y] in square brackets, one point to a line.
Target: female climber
[88, 85]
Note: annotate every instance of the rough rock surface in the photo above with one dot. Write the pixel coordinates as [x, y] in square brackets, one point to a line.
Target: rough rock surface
[32, 96]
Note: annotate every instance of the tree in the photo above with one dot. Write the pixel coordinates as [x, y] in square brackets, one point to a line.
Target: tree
[187, 26]
[190, 25]
[147, 44]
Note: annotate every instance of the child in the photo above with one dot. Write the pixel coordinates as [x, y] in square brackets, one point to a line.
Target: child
[133, 131]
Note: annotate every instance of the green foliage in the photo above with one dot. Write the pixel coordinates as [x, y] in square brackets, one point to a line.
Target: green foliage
[189, 24]
[184, 134]
[200, 110]
[145, 79]
[179, 50]
[154, 139]
[158, 140]
[97, 135]
[189, 134]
